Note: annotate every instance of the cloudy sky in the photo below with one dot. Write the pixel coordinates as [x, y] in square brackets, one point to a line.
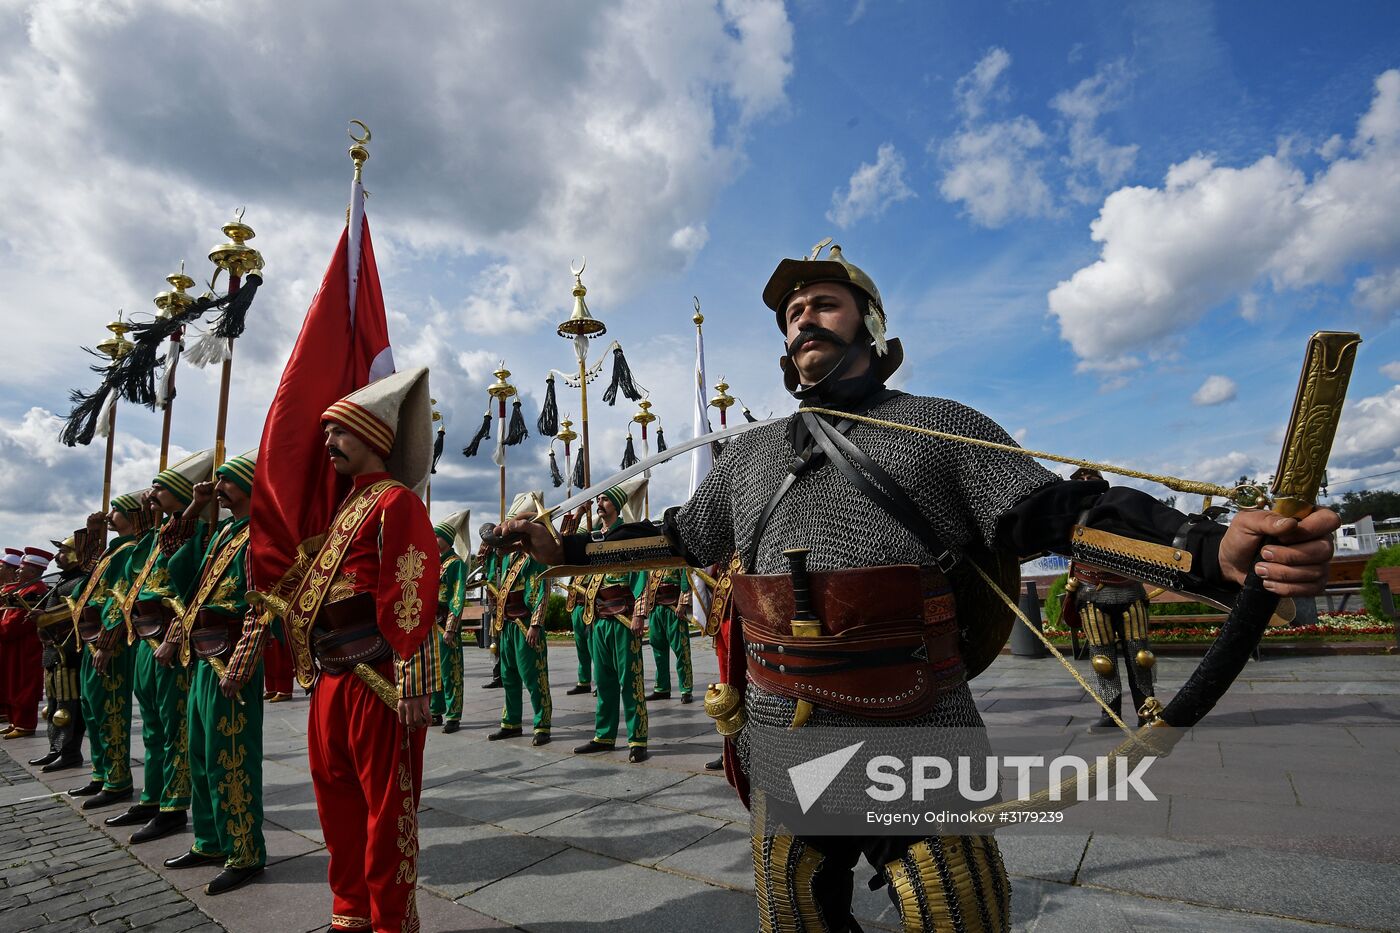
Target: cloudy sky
[1110, 226]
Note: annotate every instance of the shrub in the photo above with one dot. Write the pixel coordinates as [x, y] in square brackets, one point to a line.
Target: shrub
[1053, 605]
[1370, 592]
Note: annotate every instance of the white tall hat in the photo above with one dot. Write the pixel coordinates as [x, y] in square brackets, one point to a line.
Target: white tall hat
[394, 416]
[456, 529]
[180, 478]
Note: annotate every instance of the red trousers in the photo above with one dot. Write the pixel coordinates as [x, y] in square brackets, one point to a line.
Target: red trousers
[277, 667]
[367, 771]
[22, 677]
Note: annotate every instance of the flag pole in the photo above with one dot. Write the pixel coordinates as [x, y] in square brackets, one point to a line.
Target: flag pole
[169, 304]
[644, 417]
[115, 347]
[580, 327]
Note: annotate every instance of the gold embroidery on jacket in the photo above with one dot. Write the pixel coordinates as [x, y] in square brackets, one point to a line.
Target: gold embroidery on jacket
[408, 611]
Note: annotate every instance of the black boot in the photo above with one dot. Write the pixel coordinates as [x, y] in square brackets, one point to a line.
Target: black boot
[105, 798]
[637, 754]
[658, 695]
[716, 765]
[687, 698]
[492, 684]
[578, 689]
[1105, 723]
[504, 733]
[44, 759]
[165, 823]
[541, 738]
[87, 790]
[137, 815]
[451, 726]
[63, 764]
[591, 746]
[193, 859]
[231, 878]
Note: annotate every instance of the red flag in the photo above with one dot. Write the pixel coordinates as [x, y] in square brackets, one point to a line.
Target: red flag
[343, 346]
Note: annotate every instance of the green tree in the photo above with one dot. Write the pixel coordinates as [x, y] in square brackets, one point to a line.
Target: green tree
[1370, 593]
[1380, 504]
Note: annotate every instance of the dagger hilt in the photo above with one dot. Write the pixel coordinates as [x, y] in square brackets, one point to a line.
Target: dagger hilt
[805, 623]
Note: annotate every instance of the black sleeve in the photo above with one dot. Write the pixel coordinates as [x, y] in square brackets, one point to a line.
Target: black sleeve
[1044, 522]
[633, 542]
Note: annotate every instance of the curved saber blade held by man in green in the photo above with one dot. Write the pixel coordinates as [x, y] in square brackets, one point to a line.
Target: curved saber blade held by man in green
[885, 624]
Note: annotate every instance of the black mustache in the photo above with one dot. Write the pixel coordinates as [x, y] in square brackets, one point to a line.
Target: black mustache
[336, 452]
[808, 334]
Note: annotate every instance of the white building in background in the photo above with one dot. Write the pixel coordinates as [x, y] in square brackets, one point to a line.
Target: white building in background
[1366, 536]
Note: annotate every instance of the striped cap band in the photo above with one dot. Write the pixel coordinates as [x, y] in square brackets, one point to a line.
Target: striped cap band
[445, 531]
[179, 486]
[618, 495]
[363, 424]
[127, 503]
[238, 471]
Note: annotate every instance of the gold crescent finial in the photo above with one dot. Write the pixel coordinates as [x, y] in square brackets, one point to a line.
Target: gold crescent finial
[579, 271]
[358, 140]
[816, 250]
[238, 214]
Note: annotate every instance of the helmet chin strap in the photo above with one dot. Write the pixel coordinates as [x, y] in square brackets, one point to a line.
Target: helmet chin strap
[838, 372]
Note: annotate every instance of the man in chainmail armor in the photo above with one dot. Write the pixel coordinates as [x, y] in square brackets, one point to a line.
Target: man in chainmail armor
[892, 523]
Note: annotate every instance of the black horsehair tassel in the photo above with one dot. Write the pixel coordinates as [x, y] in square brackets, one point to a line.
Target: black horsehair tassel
[621, 377]
[578, 469]
[629, 454]
[555, 476]
[437, 447]
[748, 415]
[549, 414]
[482, 433]
[660, 440]
[133, 377]
[517, 431]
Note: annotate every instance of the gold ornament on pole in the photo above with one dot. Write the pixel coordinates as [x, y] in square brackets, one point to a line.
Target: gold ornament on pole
[500, 390]
[644, 417]
[237, 259]
[168, 304]
[722, 400]
[580, 327]
[567, 436]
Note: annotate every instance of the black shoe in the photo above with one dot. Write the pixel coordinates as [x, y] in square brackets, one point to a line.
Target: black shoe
[63, 764]
[491, 684]
[437, 720]
[105, 798]
[231, 878]
[578, 690]
[193, 859]
[716, 765]
[451, 726]
[637, 754]
[504, 733]
[170, 821]
[687, 698]
[138, 815]
[541, 738]
[44, 759]
[1102, 726]
[658, 695]
[591, 746]
[87, 790]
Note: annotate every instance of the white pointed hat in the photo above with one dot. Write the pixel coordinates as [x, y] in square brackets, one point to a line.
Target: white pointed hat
[456, 529]
[524, 503]
[394, 416]
[180, 478]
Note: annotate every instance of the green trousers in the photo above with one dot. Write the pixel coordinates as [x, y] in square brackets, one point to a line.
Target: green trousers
[670, 633]
[226, 768]
[163, 694]
[617, 671]
[583, 639]
[107, 712]
[447, 700]
[522, 665]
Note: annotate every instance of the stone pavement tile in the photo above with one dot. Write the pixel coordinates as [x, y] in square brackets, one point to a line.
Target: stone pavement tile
[579, 892]
[497, 759]
[508, 803]
[632, 832]
[723, 857]
[1252, 785]
[457, 856]
[14, 793]
[1362, 763]
[1143, 816]
[1052, 857]
[1321, 688]
[1363, 792]
[295, 809]
[440, 915]
[1045, 907]
[1321, 830]
[292, 895]
[705, 794]
[688, 756]
[1321, 710]
[605, 774]
[1303, 887]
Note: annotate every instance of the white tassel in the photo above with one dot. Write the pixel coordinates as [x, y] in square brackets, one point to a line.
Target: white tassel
[209, 349]
[499, 457]
[167, 379]
[876, 326]
[104, 417]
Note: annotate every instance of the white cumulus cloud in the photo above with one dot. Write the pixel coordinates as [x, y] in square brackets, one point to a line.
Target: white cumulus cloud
[1172, 254]
[873, 188]
[1216, 390]
[1391, 370]
[1093, 161]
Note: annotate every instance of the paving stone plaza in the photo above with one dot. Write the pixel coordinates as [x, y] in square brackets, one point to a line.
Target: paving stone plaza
[522, 838]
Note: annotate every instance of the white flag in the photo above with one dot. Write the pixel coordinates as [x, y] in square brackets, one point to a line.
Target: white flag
[701, 459]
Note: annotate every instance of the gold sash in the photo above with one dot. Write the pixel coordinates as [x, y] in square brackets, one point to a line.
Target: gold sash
[213, 573]
[590, 598]
[132, 595]
[311, 591]
[94, 581]
[503, 594]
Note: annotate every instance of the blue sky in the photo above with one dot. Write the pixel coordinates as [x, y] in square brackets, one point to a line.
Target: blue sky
[1109, 226]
